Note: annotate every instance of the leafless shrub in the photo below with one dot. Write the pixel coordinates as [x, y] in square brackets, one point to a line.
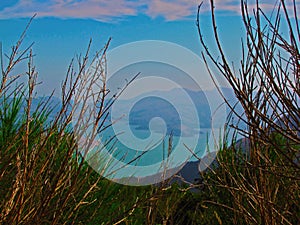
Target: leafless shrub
[263, 186]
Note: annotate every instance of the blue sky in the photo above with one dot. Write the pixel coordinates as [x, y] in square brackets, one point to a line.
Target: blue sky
[63, 28]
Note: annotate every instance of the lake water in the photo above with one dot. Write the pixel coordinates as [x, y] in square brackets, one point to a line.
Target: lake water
[143, 148]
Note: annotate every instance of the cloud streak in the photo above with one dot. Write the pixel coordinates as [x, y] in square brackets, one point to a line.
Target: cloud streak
[171, 10]
[96, 9]
[110, 10]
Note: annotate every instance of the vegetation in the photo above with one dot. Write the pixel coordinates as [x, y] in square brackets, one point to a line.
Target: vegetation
[44, 178]
[262, 187]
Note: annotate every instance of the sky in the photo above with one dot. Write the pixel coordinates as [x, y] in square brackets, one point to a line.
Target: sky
[62, 28]
[155, 37]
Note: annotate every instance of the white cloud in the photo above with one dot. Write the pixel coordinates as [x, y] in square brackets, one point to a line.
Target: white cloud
[96, 9]
[171, 10]
[109, 10]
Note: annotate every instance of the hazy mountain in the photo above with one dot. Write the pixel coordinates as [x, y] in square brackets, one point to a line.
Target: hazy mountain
[177, 109]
